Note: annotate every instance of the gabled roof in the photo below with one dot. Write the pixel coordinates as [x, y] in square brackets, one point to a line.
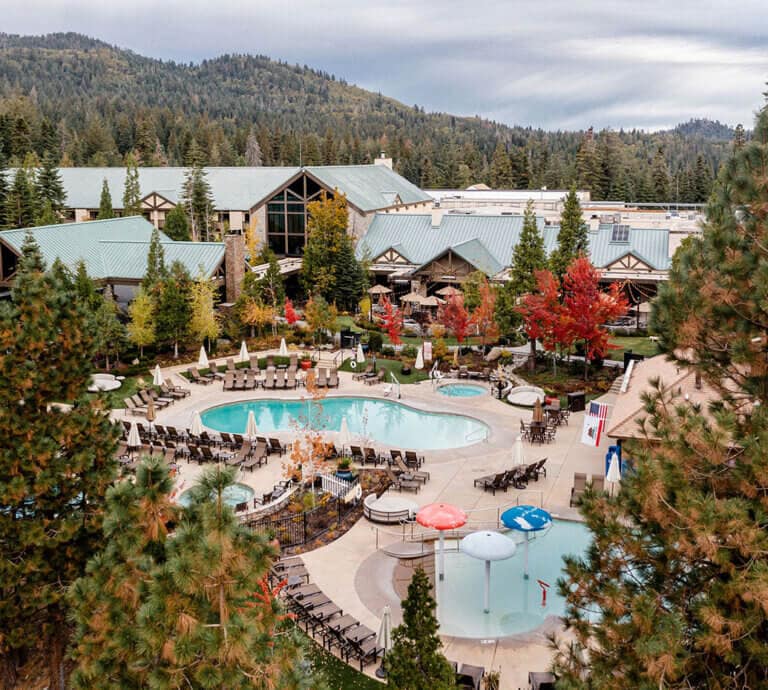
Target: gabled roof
[115, 248]
[369, 187]
[474, 252]
[650, 245]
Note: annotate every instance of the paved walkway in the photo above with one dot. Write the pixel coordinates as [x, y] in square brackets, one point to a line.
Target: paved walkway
[356, 574]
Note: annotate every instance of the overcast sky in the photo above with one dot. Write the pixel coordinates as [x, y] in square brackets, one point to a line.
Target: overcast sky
[648, 63]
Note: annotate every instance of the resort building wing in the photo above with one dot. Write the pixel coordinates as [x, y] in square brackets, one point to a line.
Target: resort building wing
[114, 252]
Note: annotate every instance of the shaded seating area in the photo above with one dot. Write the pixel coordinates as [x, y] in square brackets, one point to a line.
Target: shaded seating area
[581, 483]
[518, 477]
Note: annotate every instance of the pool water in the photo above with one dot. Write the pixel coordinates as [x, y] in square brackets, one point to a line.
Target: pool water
[516, 603]
[233, 494]
[385, 421]
[461, 390]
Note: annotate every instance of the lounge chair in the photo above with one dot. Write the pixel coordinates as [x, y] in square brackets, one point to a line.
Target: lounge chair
[416, 474]
[541, 680]
[290, 378]
[250, 380]
[277, 447]
[230, 364]
[177, 389]
[172, 392]
[535, 470]
[227, 440]
[280, 378]
[133, 408]
[579, 486]
[229, 381]
[598, 482]
[364, 374]
[379, 378]
[470, 677]
[463, 372]
[269, 378]
[356, 453]
[333, 379]
[195, 376]
[371, 456]
[159, 403]
[321, 380]
[254, 362]
[394, 455]
[400, 484]
[517, 477]
[493, 482]
[412, 460]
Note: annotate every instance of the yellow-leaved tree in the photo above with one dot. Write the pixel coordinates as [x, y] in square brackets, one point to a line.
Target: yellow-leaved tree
[254, 313]
[204, 321]
[141, 326]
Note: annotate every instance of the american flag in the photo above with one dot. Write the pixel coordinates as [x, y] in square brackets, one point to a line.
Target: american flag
[594, 422]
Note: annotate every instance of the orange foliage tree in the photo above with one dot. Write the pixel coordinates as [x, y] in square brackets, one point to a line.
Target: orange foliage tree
[455, 317]
[393, 321]
[290, 313]
[483, 315]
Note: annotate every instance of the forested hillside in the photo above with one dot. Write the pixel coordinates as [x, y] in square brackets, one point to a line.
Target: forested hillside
[89, 103]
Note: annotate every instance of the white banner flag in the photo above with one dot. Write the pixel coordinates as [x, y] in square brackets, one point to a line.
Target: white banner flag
[590, 434]
[427, 351]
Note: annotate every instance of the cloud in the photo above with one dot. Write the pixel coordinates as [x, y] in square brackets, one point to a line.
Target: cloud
[646, 64]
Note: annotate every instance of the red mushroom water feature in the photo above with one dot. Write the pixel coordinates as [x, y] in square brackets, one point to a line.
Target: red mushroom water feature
[441, 516]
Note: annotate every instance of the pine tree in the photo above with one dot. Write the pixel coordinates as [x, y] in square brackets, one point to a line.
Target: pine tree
[349, 276]
[85, 289]
[56, 464]
[528, 255]
[156, 270]
[660, 176]
[572, 237]
[270, 289]
[702, 180]
[176, 225]
[49, 186]
[739, 137]
[173, 313]
[672, 582]
[3, 187]
[501, 175]
[141, 324]
[196, 195]
[46, 215]
[109, 332]
[106, 211]
[20, 200]
[132, 189]
[416, 662]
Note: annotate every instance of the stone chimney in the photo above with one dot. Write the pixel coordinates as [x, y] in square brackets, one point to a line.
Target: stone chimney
[437, 216]
[383, 160]
[234, 266]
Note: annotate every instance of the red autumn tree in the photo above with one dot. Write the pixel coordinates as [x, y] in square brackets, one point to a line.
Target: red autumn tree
[393, 321]
[483, 317]
[455, 317]
[544, 317]
[587, 308]
[290, 313]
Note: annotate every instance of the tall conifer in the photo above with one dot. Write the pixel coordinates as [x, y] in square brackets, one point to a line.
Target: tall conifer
[528, 255]
[106, 210]
[132, 189]
[572, 236]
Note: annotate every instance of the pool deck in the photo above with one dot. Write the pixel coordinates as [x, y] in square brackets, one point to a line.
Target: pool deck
[355, 572]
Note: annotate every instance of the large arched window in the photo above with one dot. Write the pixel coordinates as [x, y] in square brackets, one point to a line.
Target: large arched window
[287, 216]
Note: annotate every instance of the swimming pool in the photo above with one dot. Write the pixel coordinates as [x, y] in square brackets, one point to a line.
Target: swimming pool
[461, 390]
[515, 602]
[385, 421]
[233, 494]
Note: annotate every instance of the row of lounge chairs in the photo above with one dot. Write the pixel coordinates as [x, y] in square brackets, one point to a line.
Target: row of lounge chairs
[369, 456]
[168, 394]
[580, 485]
[517, 477]
[369, 377]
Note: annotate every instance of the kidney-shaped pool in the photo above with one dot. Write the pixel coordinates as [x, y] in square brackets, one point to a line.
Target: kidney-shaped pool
[385, 421]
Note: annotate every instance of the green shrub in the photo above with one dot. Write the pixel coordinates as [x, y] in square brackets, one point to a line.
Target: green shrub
[388, 351]
[409, 351]
[375, 341]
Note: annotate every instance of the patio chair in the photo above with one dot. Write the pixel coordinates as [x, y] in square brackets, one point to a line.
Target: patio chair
[290, 378]
[172, 433]
[253, 361]
[416, 474]
[177, 389]
[578, 488]
[333, 379]
[277, 447]
[230, 364]
[370, 456]
[493, 482]
[195, 376]
[598, 482]
[525, 430]
[517, 478]
[280, 378]
[269, 378]
[321, 381]
[229, 381]
[145, 396]
[413, 460]
[356, 453]
[470, 677]
[250, 380]
[172, 392]
[363, 374]
[379, 378]
[133, 408]
[535, 470]
[400, 484]
[394, 455]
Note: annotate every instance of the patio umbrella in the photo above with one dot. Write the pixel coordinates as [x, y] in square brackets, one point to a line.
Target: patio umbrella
[134, 440]
[488, 546]
[538, 411]
[251, 431]
[419, 359]
[441, 516]
[614, 471]
[196, 427]
[448, 291]
[379, 290]
[151, 414]
[283, 351]
[384, 639]
[202, 360]
[360, 356]
[432, 301]
[243, 352]
[157, 376]
[526, 519]
[456, 356]
[345, 438]
[518, 458]
[414, 297]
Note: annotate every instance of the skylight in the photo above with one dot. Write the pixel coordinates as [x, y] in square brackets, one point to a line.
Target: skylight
[620, 233]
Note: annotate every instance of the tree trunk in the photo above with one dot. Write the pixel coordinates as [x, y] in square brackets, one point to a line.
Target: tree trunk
[8, 674]
[253, 334]
[56, 663]
[175, 349]
[141, 352]
[586, 362]
[106, 361]
[532, 355]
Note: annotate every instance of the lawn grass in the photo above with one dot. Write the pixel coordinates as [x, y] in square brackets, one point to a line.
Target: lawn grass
[336, 674]
[640, 345]
[391, 365]
[115, 398]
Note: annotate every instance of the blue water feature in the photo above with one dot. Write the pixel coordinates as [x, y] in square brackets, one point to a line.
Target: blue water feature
[233, 494]
[516, 603]
[387, 422]
[461, 390]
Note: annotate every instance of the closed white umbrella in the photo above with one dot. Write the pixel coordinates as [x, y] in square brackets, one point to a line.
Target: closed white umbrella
[134, 440]
[360, 356]
[419, 359]
[517, 452]
[244, 357]
[345, 438]
[251, 431]
[384, 639]
[202, 360]
[283, 351]
[197, 424]
[157, 376]
[614, 471]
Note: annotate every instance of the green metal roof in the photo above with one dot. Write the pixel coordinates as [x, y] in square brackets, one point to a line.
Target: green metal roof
[369, 187]
[488, 241]
[115, 248]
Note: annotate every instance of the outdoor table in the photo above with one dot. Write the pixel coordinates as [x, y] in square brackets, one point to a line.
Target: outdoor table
[537, 431]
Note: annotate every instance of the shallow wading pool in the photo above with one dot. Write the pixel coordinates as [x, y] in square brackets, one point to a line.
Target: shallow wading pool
[384, 421]
[233, 494]
[461, 390]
